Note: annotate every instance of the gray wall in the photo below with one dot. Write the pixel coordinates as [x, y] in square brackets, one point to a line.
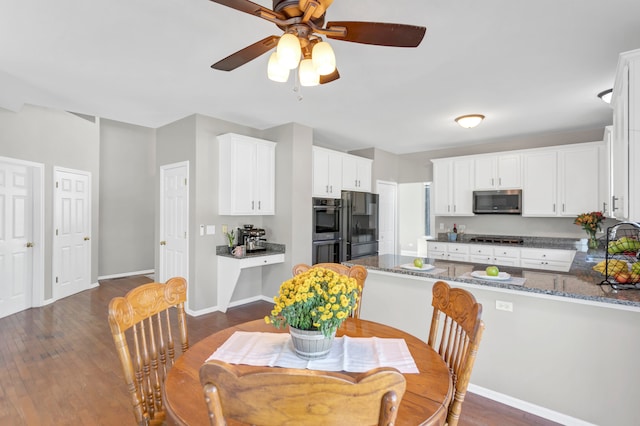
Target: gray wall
[55, 138]
[127, 198]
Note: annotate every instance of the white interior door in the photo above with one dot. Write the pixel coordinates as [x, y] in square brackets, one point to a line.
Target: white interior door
[174, 221]
[72, 232]
[16, 237]
[388, 201]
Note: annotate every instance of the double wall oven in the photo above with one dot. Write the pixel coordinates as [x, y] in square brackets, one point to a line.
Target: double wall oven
[327, 234]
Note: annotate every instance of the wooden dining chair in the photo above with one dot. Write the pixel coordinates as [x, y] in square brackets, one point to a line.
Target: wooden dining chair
[356, 271]
[456, 339]
[284, 396]
[145, 311]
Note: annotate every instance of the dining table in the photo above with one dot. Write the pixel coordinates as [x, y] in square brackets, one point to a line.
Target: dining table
[425, 402]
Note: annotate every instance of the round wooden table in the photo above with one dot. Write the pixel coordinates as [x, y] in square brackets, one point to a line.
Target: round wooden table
[425, 400]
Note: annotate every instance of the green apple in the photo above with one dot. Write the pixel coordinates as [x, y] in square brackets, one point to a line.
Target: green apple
[492, 271]
[417, 262]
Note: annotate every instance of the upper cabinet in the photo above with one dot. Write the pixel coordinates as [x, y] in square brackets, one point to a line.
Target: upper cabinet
[453, 186]
[563, 181]
[327, 173]
[498, 171]
[356, 173]
[334, 171]
[246, 175]
[625, 149]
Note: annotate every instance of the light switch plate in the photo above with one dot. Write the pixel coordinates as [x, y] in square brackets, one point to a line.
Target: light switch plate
[211, 229]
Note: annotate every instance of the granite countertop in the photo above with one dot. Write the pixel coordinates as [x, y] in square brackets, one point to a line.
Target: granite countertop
[270, 249]
[581, 282]
[528, 242]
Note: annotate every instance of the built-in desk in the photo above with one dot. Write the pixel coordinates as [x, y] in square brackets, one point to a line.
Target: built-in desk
[229, 268]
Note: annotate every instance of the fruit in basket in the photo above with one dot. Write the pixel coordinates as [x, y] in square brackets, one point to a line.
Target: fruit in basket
[492, 271]
[417, 262]
[635, 278]
[635, 268]
[622, 277]
[624, 244]
[613, 268]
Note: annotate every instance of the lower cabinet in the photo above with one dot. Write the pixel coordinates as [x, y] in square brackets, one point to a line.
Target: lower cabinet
[531, 258]
[550, 259]
[495, 255]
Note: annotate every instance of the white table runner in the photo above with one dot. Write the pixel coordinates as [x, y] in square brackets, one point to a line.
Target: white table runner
[353, 354]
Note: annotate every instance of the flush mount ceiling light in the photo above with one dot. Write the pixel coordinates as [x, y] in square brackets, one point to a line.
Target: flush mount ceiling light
[469, 121]
[606, 95]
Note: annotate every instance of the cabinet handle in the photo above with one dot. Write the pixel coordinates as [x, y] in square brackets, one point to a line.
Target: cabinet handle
[604, 207]
[252, 205]
[613, 203]
[454, 208]
[259, 205]
[563, 208]
[448, 207]
[331, 189]
[500, 181]
[554, 207]
[326, 189]
[492, 183]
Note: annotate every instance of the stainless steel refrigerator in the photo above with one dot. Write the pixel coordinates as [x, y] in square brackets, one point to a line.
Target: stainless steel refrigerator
[360, 224]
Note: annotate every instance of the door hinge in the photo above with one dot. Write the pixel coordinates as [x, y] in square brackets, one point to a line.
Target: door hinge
[56, 184]
[56, 280]
[185, 181]
[56, 232]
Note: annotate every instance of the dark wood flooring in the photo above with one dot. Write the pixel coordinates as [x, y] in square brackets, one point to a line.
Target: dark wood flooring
[58, 364]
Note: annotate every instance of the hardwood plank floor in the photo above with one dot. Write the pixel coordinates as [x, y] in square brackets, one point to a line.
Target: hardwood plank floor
[58, 364]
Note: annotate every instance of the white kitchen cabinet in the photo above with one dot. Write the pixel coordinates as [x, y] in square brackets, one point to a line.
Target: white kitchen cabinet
[549, 259]
[356, 173]
[494, 255]
[498, 172]
[563, 181]
[539, 192]
[453, 187]
[605, 182]
[625, 200]
[246, 175]
[447, 251]
[327, 173]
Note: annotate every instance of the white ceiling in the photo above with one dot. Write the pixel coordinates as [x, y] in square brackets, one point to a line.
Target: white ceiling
[531, 67]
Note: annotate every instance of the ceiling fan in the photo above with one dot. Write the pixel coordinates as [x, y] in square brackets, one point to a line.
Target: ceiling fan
[301, 45]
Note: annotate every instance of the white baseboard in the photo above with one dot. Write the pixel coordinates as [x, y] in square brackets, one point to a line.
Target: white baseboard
[127, 274]
[528, 407]
[199, 312]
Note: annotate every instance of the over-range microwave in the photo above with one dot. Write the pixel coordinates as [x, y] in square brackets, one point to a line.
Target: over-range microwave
[507, 201]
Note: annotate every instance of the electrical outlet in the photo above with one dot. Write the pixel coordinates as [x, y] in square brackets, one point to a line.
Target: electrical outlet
[224, 229]
[441, 226]
[501, 305]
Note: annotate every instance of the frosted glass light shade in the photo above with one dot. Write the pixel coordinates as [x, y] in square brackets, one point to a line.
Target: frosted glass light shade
[275, 71]
[323, 58]
[289, 51]
[308, 74]
[469, 121]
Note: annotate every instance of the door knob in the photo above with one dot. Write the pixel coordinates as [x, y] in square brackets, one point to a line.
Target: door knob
[87, 238]
[163, 243]
[29, 244]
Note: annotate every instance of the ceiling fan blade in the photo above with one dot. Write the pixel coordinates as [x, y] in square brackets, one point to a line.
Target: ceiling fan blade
[379, 33]
[249, 7]
[324, 79]
[247, 54]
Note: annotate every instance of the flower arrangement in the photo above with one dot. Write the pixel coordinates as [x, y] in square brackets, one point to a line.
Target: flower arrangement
[230, 237]
[318, 299]
[590, 222]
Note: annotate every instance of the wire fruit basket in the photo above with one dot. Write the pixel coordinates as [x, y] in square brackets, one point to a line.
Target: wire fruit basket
[622, 256]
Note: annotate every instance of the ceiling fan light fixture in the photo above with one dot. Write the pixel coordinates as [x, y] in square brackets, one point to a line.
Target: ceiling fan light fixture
[308, 74]
[469, 121]
[606, 95]
[324, 60]
[275, 71]
[288, 51]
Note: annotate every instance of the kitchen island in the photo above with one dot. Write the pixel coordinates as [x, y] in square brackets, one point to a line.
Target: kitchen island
[556, 344]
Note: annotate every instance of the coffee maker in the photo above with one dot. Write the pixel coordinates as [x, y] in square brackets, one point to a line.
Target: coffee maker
[251, 238]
